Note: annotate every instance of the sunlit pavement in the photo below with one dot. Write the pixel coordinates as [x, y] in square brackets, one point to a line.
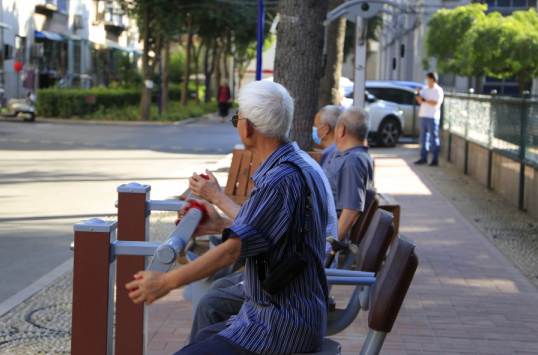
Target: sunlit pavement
[466, 297]
[52, 175]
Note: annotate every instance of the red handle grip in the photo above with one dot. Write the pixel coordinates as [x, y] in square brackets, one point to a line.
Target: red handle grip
[197, 205]
[137, 278]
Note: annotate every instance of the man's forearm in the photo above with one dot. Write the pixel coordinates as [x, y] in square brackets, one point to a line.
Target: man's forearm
[346, 221]
[226, 205]
[206, 265]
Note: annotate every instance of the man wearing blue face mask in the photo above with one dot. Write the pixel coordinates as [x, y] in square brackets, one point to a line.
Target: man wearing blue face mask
[323, 132]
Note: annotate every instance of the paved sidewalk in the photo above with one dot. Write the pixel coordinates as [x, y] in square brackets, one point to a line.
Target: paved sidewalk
[466, 298]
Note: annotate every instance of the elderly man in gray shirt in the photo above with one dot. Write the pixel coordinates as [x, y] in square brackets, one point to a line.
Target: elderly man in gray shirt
[350, 171]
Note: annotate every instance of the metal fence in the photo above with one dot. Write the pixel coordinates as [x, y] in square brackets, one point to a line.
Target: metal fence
[506, 125]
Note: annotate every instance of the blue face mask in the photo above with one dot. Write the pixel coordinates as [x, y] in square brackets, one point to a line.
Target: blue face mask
[315, 136]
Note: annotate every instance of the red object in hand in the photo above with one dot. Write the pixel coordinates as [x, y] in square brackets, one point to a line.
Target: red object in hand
[17, 66]
[138, 278]
[197, 205]
[203, 176]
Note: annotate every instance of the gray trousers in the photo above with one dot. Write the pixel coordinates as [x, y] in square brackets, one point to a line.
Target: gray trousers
[224, 299]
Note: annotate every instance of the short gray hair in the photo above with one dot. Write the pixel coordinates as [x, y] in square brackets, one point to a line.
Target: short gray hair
[269, 106]
[357, 122]
[329, 115]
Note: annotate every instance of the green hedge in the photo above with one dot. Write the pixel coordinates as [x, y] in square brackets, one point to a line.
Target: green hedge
[67, 103]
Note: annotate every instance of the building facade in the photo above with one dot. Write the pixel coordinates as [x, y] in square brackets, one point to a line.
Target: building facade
[400, 44]
[76, 43]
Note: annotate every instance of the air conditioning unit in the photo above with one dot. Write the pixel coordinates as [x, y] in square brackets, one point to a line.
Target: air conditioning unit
[78, 22]
[8, 51]
[38, 51]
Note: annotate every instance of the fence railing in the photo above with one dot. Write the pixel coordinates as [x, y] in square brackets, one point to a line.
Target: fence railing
[501, 124]
[507, 125]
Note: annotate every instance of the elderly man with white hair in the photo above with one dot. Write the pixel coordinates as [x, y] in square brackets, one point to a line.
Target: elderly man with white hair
[283, 223]
[350, 171]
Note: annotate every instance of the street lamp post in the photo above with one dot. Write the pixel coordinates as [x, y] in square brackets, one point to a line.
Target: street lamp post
[359, 11]
[259, 37]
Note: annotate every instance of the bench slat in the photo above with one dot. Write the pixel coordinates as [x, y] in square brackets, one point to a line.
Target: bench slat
[244, 174]
[234, 171]
[255, 164]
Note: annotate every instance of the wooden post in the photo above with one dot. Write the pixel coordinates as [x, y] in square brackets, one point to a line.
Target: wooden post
[133, 225]
[93, 288]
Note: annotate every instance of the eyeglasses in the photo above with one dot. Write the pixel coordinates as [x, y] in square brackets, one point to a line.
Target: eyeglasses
[236, 118]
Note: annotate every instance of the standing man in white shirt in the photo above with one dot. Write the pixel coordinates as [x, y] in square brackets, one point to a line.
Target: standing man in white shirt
[430, 99]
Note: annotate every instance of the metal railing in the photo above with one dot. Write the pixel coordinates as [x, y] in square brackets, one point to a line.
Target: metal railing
[502, 124]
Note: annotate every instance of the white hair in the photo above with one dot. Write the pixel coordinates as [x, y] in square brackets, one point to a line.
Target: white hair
[357, 122]
[269, 107]
[329, 115]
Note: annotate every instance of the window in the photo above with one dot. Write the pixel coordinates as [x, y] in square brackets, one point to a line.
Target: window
[510, 3]
[77, 57]
[62, 5]
[448, 79]
[401, 97]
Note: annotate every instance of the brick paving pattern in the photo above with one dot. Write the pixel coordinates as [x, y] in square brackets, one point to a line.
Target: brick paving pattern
[466, 298]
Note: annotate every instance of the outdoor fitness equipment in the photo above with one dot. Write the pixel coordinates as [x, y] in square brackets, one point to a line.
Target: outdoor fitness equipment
[100, 256]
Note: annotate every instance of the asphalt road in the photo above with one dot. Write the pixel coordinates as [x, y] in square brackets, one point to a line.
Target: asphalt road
[55, 174]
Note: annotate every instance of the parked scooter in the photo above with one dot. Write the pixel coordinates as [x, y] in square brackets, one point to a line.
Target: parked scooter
[22, 108]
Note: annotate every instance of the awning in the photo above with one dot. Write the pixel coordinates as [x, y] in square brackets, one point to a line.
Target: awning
[53, 36]
[114, 45]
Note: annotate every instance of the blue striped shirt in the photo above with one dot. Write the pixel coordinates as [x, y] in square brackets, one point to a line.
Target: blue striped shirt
[294, 320]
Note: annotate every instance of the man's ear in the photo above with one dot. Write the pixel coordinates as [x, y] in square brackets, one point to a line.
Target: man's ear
[340, 130]
[249, 129]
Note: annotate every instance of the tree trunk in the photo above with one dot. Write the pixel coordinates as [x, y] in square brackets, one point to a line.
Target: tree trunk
[216, 65]
[196, 57]
[479, 86]
[145, 97]
[521, 82]
[298, 54]
[166, 77]
[208, 72]
[330, 84]
[185, 90]
[225, 60]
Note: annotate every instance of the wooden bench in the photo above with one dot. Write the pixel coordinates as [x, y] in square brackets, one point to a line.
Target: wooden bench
[244, 165]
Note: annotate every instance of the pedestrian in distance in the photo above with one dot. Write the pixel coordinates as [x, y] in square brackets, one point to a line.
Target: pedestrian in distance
[224, 100]
[430, 99]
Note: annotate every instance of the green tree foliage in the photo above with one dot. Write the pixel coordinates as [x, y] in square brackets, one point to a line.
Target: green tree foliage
[467, 42]
[446, 31]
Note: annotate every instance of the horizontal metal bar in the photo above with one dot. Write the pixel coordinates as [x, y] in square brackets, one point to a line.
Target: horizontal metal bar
[122, 247]
[166, 205]
[348, 273]
[351, 281]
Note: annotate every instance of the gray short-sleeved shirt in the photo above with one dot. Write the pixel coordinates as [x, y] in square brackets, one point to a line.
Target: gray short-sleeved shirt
[350, 174]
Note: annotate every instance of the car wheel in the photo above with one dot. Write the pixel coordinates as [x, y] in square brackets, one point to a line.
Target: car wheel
[388, 132]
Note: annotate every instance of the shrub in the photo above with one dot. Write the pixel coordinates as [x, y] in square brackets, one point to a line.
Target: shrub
[67, 103]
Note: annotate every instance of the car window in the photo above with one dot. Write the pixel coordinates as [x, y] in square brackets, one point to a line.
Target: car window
[377, 92]
[398, 96]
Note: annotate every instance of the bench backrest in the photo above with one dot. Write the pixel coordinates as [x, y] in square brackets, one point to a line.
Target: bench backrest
[373, 247]
[392, 284]
[360, 227]
[244, 165]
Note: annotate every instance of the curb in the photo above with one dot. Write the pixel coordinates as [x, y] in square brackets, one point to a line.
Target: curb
[122, 123]
[35, 287]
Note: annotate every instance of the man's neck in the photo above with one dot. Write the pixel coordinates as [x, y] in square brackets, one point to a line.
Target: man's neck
[265, 148]
[349, 144]
[431, 85]
[327, 140]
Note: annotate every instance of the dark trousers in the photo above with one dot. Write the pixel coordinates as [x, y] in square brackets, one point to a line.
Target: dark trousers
[224, 299]
[208, 342]
[429, 138]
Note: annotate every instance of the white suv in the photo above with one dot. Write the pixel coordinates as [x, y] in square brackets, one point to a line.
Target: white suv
[401, 93]
[387, 121]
